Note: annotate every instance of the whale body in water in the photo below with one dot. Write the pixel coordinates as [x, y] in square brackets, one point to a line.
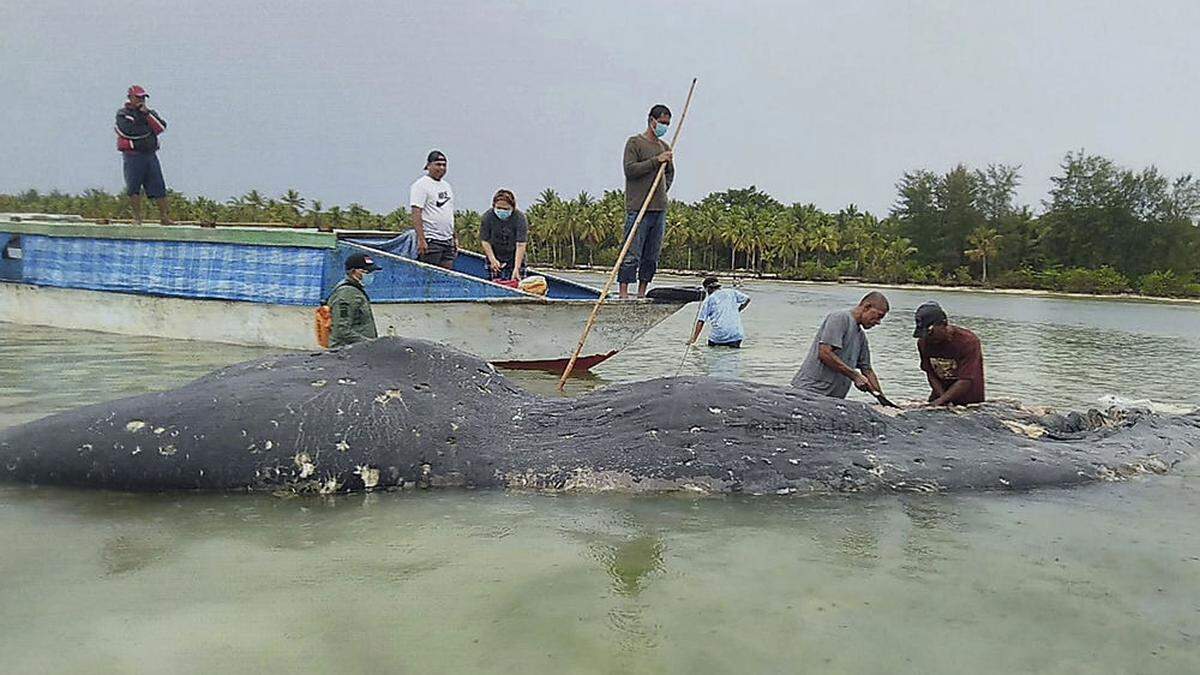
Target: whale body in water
[400, 413]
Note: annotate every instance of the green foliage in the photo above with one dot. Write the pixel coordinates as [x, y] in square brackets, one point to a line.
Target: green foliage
[1103, 280]
[811, 270]
[1168, 284]
[1020, 278]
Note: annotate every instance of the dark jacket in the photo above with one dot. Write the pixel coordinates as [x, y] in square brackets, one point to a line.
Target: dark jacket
[352, 318]
[138, 131]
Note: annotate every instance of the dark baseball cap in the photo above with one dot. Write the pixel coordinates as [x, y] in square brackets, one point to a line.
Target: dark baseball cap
[435, 156]
[712, 282]
[361, 261]
[928, 314]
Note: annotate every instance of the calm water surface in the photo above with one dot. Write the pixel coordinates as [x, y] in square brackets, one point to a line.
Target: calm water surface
[1104, 579]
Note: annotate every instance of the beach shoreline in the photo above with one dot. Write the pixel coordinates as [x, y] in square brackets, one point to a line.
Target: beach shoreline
[1021, 292]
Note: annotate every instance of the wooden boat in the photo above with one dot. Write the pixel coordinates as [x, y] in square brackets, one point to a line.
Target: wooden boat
[254, 285]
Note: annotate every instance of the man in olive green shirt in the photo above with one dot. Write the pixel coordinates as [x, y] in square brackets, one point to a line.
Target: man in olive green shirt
[644, 154]
[349, 305]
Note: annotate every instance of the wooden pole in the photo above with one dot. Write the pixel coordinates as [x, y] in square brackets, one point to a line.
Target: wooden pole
[587, 328]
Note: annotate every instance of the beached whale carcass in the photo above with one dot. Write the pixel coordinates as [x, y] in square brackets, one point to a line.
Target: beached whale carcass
[407, 413]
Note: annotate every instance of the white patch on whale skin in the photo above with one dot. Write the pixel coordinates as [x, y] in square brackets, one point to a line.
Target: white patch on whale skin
[391, 394]
[1030, 430]
[166, 450]
[86, 447]
[329, 486]
[305, 464]
[343, 446]
[370, 477]
[319, 383]
[135, 426]
[715, 411]
[158, 431]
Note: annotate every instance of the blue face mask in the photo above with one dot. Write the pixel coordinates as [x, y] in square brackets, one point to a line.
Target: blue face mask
[660, 129]
[502, 214]
[368, 279]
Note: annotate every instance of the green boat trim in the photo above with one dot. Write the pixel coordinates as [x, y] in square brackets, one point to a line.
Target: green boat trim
[255, 236]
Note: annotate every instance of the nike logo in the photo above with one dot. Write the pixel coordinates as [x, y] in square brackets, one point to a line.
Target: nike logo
[442, 201]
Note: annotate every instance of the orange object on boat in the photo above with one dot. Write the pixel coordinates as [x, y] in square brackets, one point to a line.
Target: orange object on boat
[535, 284]
[324, 325]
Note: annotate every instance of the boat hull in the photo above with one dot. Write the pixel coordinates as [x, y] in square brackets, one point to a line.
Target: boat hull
[518, 332]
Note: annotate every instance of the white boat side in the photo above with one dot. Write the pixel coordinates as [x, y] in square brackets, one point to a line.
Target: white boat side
[518, 332]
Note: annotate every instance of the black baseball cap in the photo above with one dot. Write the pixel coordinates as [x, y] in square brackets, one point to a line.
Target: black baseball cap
[928, 314]
[435, 156]
[712, 282]
[361, 261]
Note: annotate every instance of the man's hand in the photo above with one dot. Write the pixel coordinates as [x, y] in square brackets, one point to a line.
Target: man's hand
[422, 246]
[495, 265]
[861, 382]
[665, 156]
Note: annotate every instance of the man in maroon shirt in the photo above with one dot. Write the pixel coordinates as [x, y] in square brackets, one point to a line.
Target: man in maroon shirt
[951, 357]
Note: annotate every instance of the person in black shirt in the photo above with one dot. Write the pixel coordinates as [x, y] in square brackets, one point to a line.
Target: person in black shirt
[504, 231]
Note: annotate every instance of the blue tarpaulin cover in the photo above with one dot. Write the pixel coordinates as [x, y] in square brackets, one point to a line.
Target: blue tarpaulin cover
[272, 274]
[404, 245]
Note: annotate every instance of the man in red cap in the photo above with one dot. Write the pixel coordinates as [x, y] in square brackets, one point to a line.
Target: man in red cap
[137, 129]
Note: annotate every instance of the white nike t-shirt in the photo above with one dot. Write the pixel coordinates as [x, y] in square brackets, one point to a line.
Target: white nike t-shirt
[435, 198]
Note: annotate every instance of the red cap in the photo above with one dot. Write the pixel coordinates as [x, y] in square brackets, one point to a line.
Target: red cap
[135, 90]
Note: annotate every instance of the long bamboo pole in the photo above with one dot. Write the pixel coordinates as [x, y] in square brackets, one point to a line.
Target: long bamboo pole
[587, 328]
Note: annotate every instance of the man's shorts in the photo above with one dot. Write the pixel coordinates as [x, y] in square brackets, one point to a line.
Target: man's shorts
[438, 252]
[142, 171]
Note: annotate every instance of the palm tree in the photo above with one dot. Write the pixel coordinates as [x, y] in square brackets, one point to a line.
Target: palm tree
[313, 215]
[986, 242]
[294, 202]
[826, 239]
[255, 202]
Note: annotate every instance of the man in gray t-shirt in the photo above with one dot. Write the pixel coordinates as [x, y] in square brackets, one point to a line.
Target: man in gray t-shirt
[839, 355]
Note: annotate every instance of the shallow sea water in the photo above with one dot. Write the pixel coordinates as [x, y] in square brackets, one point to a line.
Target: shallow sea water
[1102, 579]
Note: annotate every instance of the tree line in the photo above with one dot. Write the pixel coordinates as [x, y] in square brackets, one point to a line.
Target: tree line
[1103, 228]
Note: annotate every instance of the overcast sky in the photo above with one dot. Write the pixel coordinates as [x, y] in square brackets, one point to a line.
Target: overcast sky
[823, 102]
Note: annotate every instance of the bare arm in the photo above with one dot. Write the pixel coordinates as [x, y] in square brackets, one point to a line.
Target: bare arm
[491, 254]
[936, 388]
[873, 381]
[696, 333]
[949, 396]
[518, 260]
[830, 359]
[419, 226]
